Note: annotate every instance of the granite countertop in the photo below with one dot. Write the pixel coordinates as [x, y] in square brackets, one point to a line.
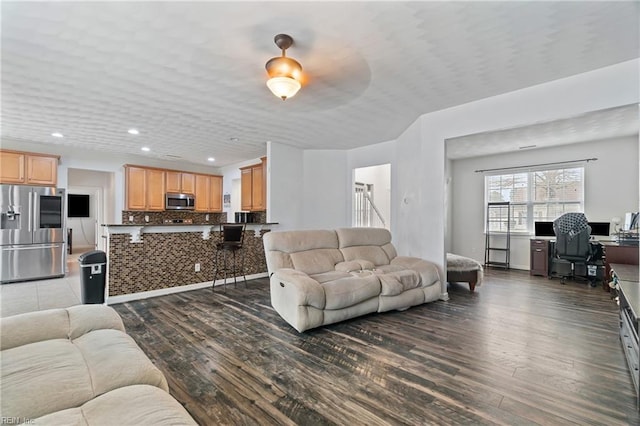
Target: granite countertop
[185, 224]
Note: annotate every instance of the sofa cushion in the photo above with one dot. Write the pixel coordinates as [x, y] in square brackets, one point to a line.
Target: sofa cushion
[348, 291]
[130, 405]
[316, 261]
[354, 265]
[42, 377]
[66, 323]
[371, 244]
[394, 283]
[373, 254]
[329, 276]
[279, 245]
[349, 237]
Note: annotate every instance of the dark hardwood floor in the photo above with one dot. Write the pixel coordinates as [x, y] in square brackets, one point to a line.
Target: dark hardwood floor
[520, 350]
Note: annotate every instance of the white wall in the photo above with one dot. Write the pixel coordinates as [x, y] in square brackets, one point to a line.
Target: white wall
[285, 185]
[611, 188]
[327, 190]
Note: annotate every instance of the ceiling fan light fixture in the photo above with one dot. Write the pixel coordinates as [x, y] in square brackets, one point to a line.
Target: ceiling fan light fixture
[283, 87]
[284, 73]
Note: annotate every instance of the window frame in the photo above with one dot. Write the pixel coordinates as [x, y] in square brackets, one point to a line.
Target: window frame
[530, 203]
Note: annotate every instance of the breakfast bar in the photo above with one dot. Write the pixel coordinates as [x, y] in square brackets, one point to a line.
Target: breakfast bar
[147, 260]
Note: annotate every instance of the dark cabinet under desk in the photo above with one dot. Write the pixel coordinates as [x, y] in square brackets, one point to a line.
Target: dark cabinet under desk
[539, 257]
[629, 321]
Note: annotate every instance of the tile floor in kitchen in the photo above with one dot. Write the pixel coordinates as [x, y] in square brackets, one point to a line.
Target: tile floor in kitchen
[18, 298]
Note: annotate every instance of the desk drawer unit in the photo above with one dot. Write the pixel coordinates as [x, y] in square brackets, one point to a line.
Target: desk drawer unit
[539, 257]
[629, 340]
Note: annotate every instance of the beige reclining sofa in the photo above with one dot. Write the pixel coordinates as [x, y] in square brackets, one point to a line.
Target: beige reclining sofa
[321, 277]
[77, 366]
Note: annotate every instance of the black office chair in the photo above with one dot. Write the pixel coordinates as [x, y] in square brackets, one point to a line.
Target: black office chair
[231, 240]
[572, 246]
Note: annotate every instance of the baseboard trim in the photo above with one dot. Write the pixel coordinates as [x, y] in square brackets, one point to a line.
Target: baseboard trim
[112, 300]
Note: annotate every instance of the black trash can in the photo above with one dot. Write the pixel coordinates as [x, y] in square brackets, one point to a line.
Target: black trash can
[93, 274]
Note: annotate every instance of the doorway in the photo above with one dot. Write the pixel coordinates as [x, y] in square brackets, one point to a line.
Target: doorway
[86, 230]
[371, 205]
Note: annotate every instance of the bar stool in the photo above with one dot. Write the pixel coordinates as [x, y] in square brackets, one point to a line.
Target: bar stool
[231, 239]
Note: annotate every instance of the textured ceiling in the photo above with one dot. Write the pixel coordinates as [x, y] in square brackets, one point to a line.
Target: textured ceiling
[605, 124]
[190, 75]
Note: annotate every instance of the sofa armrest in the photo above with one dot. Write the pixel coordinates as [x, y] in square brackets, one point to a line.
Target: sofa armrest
[300, 289]
[428, 270]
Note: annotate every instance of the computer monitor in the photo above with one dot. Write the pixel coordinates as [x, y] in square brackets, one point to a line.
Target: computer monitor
[600, 228]
[544, 229]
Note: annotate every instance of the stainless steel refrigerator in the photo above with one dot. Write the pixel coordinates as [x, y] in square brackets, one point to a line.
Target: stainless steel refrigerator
[32, 233]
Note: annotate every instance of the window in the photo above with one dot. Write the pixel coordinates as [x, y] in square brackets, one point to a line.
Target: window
[539, 195]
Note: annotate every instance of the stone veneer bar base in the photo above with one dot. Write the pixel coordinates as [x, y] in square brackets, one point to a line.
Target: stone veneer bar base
[167, 261]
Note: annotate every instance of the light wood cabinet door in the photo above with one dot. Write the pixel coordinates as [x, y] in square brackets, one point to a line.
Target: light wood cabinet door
[12, 167]
[188, 183]
[173, 182]
[245, 189]
[154, 189]
[135, 188]
[180, 183]
[202, 193]
[42, 170]
[215, 192]
[257, 188]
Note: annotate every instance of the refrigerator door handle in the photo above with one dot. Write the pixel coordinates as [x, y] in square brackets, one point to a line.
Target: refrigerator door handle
[30, 217]
[36, 211]
[31, 247]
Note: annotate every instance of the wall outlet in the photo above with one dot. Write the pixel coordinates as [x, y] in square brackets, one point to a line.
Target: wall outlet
[146, 218]
[130, 218]
[206, 217]
[197, 267]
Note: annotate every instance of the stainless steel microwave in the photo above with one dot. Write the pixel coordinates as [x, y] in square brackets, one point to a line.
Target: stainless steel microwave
[179, 201]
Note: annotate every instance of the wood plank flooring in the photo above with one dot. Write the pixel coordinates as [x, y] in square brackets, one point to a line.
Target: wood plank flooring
[520, 351]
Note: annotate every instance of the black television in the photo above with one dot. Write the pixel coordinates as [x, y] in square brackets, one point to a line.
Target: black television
[600, 228]
[544, 229]
[78, 205]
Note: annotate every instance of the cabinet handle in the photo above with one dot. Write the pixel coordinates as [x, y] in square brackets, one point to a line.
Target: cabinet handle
[538, 249]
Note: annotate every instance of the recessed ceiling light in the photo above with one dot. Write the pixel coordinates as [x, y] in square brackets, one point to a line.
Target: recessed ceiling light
[211, 159]
[57, 135]
[133, 131]
[145, 149]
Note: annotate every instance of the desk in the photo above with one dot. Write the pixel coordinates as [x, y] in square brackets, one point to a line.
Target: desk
[542, 252]
[621, 254]
[630, 321]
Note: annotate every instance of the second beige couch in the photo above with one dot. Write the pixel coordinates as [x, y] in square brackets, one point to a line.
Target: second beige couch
[320, 277]
[78, 366]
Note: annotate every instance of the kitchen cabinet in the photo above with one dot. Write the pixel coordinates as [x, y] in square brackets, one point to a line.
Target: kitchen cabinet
[180, 182]
[28, 168]
[208, 193]
[253, 186]
[145, 188]
[215, 191]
